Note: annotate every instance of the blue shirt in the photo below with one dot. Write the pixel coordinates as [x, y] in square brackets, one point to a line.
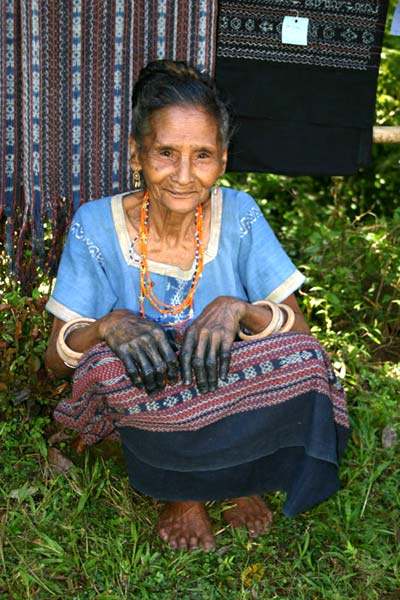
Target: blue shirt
[99, 269]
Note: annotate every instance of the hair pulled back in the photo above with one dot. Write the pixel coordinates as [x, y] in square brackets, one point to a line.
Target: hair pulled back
[164, 83]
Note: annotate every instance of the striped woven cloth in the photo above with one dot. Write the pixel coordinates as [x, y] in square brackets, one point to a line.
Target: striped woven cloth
[68, 70]
[263, 373]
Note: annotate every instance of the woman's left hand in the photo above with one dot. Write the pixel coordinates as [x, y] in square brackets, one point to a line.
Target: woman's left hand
[207, 343]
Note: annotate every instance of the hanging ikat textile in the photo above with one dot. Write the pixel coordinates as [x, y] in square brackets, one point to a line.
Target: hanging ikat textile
[301, 75]
[67, 71]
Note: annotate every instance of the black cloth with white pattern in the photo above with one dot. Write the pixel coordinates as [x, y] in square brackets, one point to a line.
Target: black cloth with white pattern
[301, 110]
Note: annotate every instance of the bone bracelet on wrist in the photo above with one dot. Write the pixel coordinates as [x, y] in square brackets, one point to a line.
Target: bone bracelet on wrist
[290, 318]
[270, 328]
[278, 324]
[67, 355]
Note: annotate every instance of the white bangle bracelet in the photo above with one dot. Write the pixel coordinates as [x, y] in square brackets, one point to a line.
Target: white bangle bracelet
[290, 318]
[280, 322]
[69, 357]
[277, 320]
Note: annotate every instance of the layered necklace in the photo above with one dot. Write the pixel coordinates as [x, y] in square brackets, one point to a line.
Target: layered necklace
[146, 285]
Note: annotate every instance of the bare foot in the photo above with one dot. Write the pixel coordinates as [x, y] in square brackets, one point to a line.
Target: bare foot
[186, 526]
[249, 512]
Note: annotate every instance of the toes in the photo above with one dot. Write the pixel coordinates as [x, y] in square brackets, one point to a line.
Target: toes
[199, 542]
[172, 543]
[185, 526]
[253, 528]
[256, 527]
[182, 543]
[250, 513]
[259, 526]
[194, 543]
[173, 539]
[163, 533]
[208, 544]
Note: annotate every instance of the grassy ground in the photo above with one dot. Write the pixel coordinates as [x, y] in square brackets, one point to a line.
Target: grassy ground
[84, 534]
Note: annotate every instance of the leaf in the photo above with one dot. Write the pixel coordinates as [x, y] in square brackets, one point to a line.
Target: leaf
[22, 396]
[23, 492]
[60, 389]
[59, 436]
[18, 330]
[389, 437]
[58, 461]
[35, 363]
[47, 545]
[253, 573]
[41, 442]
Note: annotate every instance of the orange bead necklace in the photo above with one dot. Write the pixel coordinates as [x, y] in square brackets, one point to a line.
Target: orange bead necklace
[146, 286]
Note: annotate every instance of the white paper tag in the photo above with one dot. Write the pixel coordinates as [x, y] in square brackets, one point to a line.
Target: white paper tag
[295, 30]
[395, 28]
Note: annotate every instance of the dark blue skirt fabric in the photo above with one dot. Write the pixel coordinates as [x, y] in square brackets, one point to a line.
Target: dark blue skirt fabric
[293, 448]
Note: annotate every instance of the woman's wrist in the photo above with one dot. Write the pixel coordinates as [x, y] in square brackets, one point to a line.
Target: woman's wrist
[255, 318]
[108, 323]
[265, 318]
[69, 356]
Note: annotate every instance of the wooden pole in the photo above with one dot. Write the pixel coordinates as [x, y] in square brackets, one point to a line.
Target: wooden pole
[386, 135]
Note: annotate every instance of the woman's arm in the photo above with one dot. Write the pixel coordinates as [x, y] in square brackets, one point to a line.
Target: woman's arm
[79, 340]
[256, 318]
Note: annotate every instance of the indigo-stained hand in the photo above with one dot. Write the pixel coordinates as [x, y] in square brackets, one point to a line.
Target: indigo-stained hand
[143, 347]
[207, 343]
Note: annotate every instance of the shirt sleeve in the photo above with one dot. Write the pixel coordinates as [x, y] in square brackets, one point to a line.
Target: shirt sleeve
[266, 270]
[82, 288]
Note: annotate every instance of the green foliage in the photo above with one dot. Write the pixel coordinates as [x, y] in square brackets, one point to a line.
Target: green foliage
[24, 330]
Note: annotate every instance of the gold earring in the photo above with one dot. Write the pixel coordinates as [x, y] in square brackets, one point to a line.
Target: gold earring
[136, 180]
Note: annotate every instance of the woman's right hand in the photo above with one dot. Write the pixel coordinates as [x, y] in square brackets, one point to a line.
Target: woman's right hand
[143, 347]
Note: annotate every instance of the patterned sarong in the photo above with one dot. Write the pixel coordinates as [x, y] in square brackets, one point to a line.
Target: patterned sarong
[263, 373]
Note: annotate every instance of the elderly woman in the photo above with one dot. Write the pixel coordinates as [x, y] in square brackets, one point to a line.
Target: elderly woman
[175, 303]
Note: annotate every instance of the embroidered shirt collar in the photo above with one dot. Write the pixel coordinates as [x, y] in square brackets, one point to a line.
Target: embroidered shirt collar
[132, 258]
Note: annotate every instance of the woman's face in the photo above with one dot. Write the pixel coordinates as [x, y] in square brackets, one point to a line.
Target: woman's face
[181, 157]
